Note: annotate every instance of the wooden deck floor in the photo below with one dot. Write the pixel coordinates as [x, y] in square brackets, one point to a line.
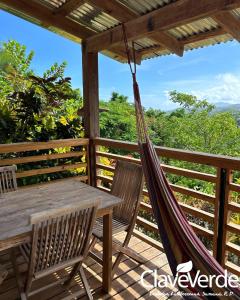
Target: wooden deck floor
[126, 283]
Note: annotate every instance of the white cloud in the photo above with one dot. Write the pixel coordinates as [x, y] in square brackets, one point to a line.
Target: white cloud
[222, 88]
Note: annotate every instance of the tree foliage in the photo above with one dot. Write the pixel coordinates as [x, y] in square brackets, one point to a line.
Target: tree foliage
[34, 107]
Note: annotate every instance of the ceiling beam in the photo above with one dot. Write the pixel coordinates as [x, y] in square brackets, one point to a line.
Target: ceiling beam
[165, 18]
[46, 17]
[168, 41]
[68, 7]
[188, 40]
[124, 14]
[230, 23]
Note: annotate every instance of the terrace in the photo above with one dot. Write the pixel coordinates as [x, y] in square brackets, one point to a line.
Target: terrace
[157, 29]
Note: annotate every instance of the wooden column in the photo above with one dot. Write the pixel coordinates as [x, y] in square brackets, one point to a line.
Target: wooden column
[91, 105]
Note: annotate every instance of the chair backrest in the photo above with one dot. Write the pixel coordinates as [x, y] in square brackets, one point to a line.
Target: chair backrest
[127, 185]
[8, 182]
[60, 236]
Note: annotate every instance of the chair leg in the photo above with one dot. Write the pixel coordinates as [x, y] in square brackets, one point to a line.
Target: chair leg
[116, 263]
[3, 274]
[20, 284]
[124, 249]
[85, 283]
[92, 244]
[72, 275]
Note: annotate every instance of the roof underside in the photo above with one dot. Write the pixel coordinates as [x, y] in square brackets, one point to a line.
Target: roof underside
[97, 17]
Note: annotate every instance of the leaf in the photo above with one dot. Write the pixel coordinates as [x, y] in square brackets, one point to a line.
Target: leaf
[63, 121]
[185, 267]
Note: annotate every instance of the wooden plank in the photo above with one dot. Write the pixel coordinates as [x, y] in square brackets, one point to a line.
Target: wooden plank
[161, 19]
[35, 158]
[193, 193]
[22, 147]
[233, 228]
[69, 6]
[153, 227]
[229, 23]
[166, 168]
[91, 105]
[189, 173]
[233, 248]
[117, 157]
[232, 268]
[185, 155]
[187, 209]
[105, 167]
[176, 188]
[46, 17]
[49, 170]
[234, 207]
[234, 187]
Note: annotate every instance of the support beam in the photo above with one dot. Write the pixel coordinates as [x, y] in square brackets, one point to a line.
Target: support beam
[46, 17]
[191, 39]
[124, 14]
[91, 105]
[69, 6]
[162, 19]
[169, 42]
[229, 23]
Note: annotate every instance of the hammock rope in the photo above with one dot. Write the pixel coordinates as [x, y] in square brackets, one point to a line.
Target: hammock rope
[179, 240]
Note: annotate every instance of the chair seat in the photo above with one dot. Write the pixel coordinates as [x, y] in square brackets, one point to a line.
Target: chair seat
[117, 226]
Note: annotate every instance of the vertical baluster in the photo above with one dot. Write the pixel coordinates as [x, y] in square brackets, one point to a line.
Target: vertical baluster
[222, 216]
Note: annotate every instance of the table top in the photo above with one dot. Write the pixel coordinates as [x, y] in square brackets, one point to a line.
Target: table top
[16, 207]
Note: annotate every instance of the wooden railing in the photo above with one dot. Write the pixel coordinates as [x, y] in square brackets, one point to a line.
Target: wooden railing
[43, 161]
[211, 214]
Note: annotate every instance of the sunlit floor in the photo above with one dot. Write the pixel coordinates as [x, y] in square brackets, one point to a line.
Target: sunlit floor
[126, 282]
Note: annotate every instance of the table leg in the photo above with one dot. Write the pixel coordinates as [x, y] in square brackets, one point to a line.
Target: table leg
[107, 253]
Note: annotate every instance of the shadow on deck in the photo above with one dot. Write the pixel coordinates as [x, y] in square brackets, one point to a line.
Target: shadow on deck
[126, 283]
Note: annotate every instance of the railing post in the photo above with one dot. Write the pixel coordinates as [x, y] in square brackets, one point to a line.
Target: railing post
[222, 196]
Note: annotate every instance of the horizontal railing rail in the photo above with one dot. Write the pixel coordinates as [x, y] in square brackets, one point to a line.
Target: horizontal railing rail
[34, 159]
[211, 213]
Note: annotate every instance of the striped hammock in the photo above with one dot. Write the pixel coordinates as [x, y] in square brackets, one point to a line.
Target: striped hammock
[180, 242]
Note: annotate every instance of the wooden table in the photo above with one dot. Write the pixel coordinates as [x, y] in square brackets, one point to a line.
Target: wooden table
[16, 207]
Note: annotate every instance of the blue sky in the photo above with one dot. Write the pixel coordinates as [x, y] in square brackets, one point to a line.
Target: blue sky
[212, 73]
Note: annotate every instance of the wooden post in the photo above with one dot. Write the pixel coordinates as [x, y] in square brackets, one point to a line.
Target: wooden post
[224, 179]
[91, 106]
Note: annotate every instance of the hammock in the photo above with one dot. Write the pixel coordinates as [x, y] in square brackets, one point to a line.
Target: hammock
[180, 242]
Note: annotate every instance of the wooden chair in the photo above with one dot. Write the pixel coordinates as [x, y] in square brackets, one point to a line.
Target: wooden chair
[8, 182]
[60, 238]
[127, 185]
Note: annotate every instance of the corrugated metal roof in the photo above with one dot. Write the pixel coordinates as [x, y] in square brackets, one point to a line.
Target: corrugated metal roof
[97, 21]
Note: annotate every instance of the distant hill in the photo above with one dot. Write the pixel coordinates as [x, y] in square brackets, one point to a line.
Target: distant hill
[223, 106]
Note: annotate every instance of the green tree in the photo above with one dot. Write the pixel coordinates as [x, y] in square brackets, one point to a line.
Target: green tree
[34, 107]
